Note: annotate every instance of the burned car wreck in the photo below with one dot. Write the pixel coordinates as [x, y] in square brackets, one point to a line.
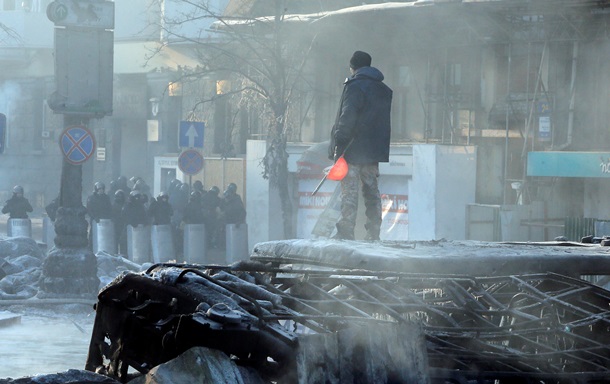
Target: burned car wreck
[538, 327]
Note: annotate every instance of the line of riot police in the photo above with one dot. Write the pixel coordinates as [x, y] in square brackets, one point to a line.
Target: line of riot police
[126, 206]
[180, 205]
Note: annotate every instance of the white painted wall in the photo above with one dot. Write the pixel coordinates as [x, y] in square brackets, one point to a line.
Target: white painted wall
[444, 181]
[257, 194]
[422, 204]
[596, 201]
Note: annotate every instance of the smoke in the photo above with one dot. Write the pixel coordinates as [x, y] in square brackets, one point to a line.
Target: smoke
[10, 93]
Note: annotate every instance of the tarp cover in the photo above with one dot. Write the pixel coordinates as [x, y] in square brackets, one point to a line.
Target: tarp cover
[472, 258]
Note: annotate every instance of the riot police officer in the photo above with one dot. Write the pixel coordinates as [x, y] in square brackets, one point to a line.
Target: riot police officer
[232, 206]
[98, 203]
[210, 203]
[160, 211]
[134, 211]
[120, 232]
[98, 207]
[193, 212]
[17, 206]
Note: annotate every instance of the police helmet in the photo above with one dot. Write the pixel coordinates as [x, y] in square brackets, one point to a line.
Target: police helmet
[119, 194]
[163, 196]
[99, 186]
[184, 187]
[231, 188]
[134, 194]
[195, 195]
[139, 184]
[215, 190]
[18, 189]
[198, 185]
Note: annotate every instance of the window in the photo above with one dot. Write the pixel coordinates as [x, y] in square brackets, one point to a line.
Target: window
[8, 5]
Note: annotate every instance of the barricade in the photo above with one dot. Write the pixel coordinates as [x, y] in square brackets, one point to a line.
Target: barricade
[237, 242]
[48, 232]
[138, 243]
[162, 243]
[19, 228]
[104, 237]
[195, 246]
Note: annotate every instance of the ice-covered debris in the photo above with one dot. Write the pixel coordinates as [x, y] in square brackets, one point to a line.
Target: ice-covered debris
[18, 246]
[200, 365]
[20, 286]
[248, 288]
[71, 376]
[19, 277]
[17, 264]
[110, 266]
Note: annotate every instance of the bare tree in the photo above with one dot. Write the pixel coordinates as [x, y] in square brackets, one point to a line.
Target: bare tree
[264, 63]
[8, 35]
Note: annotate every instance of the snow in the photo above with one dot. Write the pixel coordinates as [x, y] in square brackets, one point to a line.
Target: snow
[442, 257]
[53, 335]
[46, 341]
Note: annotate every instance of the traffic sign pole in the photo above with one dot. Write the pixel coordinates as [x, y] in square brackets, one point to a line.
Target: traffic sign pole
[71, 188]
[71, 251]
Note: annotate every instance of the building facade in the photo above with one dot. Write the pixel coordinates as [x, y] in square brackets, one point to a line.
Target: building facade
[509, 79]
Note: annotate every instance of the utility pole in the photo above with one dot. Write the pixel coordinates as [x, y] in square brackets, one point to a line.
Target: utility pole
[84, 44]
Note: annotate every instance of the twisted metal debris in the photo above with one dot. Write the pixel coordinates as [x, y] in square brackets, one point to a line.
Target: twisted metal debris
[546, 328]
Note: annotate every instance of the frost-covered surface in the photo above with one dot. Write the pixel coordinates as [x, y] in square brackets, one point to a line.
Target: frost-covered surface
[21, 261]
[53, 335]
[20, 268]
[72, 376]
[48, 339]
[441, 257]
[200, 365]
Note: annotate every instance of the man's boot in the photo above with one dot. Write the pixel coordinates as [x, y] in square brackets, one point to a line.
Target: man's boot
[343, 233]
[372, 232]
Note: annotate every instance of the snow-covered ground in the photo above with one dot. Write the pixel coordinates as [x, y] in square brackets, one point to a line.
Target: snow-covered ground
[49, 340]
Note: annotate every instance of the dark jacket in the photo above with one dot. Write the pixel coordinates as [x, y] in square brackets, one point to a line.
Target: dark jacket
[17, 207]
[364, 116]
[209, 203]
[99, 206]
[233, 208]
[160, 212]
[134, 213]
[117, 217]
[193, 212]
[51, 208]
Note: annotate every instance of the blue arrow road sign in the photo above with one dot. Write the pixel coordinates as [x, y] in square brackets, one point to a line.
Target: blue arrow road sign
[191, 134]
[77, 144]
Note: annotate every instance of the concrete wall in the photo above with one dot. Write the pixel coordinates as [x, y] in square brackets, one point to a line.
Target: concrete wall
[444, 179]
[597, 199]
[257, 195]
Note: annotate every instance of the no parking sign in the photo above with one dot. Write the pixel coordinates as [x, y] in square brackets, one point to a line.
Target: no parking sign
[190, 162]
[77, 144]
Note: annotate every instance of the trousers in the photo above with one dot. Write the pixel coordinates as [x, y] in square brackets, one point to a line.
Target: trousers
[366, 175]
